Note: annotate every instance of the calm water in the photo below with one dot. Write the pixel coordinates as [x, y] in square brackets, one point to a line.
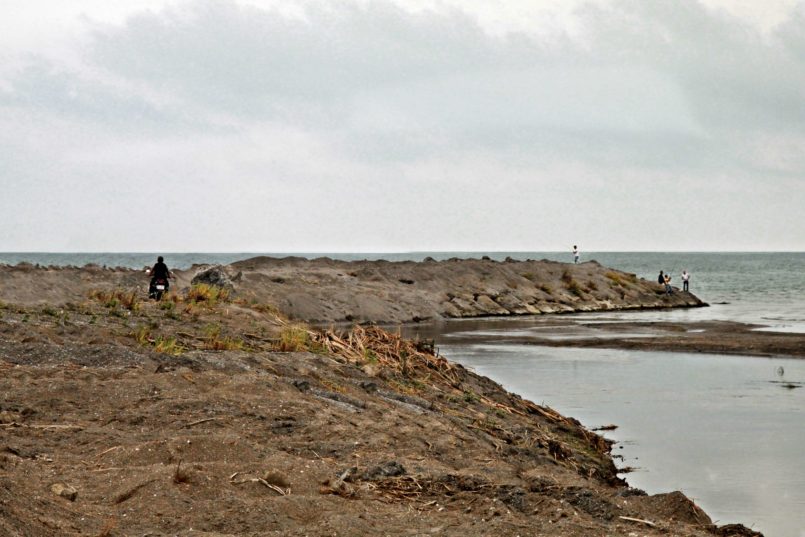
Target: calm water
[722, 429]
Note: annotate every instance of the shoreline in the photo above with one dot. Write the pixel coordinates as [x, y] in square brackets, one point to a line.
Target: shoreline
[116, 405]
[708, 336]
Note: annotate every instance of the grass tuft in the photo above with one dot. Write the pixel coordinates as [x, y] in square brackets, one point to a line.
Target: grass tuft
[208, 294]
[574, 287]
[168, 346]
[143, 335]
[215, 342]
[294, 338]
[117, 297]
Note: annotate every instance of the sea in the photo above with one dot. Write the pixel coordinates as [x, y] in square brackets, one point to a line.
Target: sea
[728, 431]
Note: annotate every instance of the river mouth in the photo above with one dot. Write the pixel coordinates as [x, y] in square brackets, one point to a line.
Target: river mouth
[724, 429]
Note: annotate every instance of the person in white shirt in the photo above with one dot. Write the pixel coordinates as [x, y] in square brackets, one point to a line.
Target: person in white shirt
[685, 279]
[575, 254]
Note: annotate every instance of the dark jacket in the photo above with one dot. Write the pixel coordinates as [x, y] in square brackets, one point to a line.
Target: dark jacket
[160, 272]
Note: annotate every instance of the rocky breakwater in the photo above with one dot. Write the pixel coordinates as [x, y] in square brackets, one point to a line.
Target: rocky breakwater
[325, 290]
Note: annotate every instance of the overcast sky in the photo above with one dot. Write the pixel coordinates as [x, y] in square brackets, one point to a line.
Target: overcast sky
[357, 125]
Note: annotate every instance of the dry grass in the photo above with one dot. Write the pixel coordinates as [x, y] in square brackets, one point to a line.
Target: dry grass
[574, 287]
[143, 335]
[409, 359]
[117, 297]
[168, 345]
[214, 341]
[294, 338]
[207, 294]
[180, 475]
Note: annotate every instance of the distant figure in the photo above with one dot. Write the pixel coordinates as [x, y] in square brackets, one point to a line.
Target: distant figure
[575, 254]
[685, 280]
[668, 290]
[160, 274]
[661, 278]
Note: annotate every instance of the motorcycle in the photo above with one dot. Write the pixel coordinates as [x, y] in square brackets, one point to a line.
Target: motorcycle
[158, 287]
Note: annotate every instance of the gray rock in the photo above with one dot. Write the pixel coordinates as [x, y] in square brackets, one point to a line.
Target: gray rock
[387, 469]
[216, 276]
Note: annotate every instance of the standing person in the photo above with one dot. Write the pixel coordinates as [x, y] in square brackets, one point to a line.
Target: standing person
[661, 278]
[575, 254]
[685, 279]
[159, 272]
[668, 290]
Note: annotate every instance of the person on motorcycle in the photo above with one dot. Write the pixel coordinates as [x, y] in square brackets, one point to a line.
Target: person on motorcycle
[159, 274]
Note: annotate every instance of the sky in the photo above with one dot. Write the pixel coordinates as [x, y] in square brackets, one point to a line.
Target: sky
[402, 125]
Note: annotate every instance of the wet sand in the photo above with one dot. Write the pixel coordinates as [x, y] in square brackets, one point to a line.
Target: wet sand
[712, 337]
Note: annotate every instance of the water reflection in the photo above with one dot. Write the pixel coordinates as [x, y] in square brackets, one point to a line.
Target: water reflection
[720, 428]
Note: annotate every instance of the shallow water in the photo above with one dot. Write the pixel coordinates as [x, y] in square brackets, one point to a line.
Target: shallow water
[722, 429]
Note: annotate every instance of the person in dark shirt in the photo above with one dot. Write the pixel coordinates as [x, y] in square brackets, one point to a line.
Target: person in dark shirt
[159, 271]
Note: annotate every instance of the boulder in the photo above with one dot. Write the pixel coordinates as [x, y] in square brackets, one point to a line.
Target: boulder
[215, 275]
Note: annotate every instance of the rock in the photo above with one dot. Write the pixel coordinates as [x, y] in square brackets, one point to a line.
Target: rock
[489, 307]
[301, 384]
[216, 276]
[368, 386]
[387, 469]
[65, 491]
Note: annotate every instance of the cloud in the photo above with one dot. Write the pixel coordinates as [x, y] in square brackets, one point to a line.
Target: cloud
[362, 111]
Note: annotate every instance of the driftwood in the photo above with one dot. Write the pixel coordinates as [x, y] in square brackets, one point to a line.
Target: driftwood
[371, 344]
[14, 424]
[102, 453]
[275, 488]
[639, 520]
[199, 422]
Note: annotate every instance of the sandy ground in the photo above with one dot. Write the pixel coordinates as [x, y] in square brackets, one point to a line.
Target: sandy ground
[328, 291]
[215, 415]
